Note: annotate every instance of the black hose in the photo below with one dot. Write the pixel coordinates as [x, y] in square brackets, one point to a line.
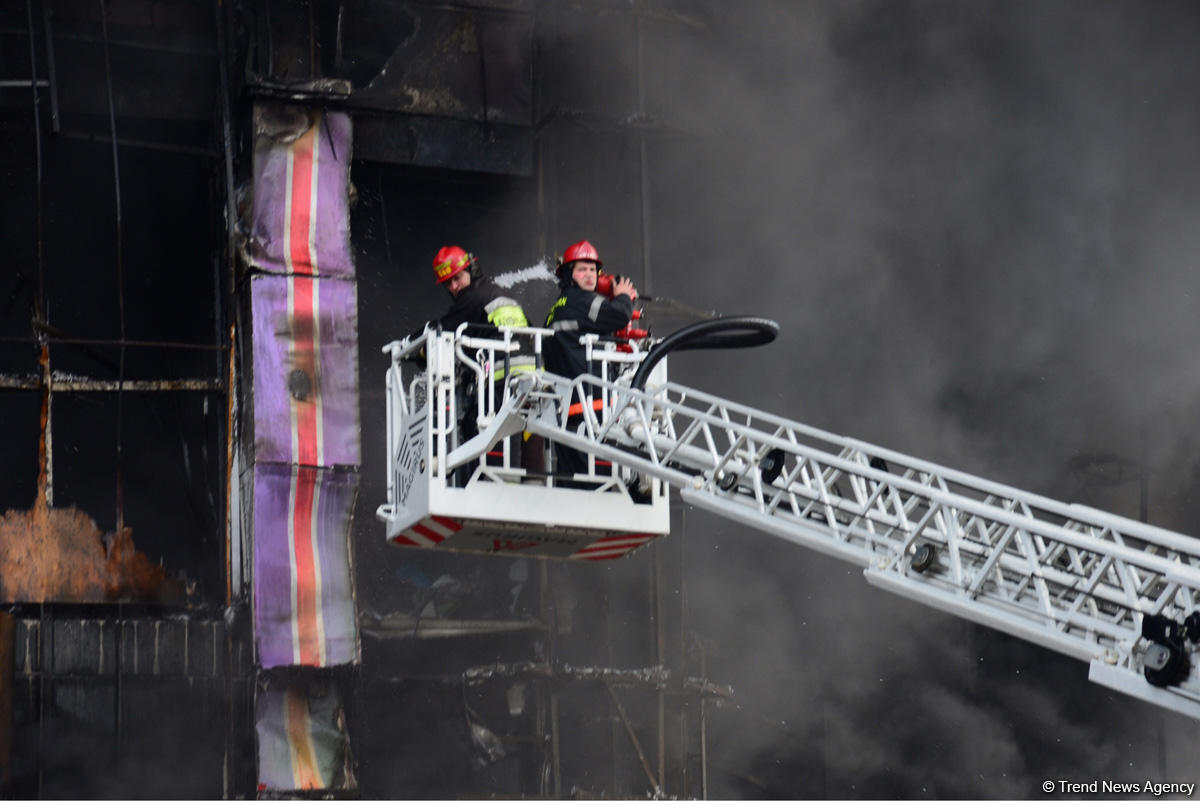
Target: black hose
[723, 332]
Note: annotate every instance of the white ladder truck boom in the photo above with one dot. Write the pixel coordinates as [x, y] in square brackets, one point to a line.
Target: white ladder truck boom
[1121, 595]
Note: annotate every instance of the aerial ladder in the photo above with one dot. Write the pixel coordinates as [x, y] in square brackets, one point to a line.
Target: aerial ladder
[1118, 594]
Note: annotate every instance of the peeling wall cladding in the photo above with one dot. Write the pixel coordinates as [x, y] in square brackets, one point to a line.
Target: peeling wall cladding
[304, 332]
[301, 182]
[303, 587]
[305, 371]
[305, 390]
[302, 741]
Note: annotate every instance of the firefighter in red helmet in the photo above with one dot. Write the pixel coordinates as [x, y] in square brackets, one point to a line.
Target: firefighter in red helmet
[477, 301]
[581, 310]
[476, 298]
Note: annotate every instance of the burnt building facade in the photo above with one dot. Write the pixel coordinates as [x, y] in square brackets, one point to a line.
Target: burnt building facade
[183, 178]
[976, 221]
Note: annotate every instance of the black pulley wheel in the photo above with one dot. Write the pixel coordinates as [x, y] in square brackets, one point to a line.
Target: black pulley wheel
[1165, 663]
[771, 465]
[923, 556]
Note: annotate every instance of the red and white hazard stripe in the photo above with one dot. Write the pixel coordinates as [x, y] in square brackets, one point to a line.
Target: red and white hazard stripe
[612, 547]
[429, 532]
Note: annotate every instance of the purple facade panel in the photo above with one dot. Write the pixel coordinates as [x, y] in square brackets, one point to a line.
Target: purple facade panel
[305, 370]
[303, 585]
[301, 186]
[304, 324]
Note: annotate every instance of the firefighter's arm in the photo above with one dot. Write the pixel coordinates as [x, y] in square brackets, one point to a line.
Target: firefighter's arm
[609, 315]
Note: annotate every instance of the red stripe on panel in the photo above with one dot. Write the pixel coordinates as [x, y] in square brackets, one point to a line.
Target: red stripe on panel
[306, 611]
[300, 203]
[304, 349]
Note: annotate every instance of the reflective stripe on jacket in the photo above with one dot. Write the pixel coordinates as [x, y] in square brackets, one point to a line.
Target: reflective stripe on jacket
[481, 302]
[578, 312]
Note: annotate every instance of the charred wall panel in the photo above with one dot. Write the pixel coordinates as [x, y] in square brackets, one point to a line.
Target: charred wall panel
[302, 737]
[444, 86]
[104, 705]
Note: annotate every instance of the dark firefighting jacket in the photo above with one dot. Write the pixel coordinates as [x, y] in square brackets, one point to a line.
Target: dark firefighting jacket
[578, 312]
[482, 303]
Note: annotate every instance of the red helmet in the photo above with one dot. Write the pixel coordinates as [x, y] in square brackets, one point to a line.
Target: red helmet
[450, 261]
[581, 251]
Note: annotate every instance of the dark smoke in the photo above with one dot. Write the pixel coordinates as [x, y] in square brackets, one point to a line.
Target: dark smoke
[975, 223]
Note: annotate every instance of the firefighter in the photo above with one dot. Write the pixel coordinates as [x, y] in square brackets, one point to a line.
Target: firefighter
[475, 298]
[581, 310]
[480, 303]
